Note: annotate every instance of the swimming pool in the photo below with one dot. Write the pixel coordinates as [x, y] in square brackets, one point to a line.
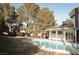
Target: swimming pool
[55, 45]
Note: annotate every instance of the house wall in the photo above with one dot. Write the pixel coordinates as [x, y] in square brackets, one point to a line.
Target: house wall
[63, 36]
[52, 36]
[60, 37]
[56, 36]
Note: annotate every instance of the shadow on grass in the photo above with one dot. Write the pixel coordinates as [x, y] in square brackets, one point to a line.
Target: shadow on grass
[15, 46]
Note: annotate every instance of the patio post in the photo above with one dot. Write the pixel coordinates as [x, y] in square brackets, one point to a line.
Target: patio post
[64, 36]
[56, 35]
[50, 34]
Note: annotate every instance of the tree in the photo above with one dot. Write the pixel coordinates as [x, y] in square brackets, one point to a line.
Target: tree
[4, 7]
[37, 19]
[8, 11]
[3, 14]
[27, 13]
[7, 16]
[13, 20]
[31, 9]
[12, 14]
[68, 23]
[44, 19]
[22, 14]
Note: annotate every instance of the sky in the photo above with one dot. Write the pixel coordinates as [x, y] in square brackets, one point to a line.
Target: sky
[61, 10]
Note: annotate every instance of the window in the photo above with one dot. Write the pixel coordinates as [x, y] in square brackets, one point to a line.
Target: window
[53, 31]
[59, 32]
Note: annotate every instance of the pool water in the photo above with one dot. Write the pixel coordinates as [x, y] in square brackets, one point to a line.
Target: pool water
[51, 45]
[60, 47]
[55, 45]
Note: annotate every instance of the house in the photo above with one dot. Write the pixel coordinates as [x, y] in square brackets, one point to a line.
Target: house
[66, 33]
[59, 33]
[74, 14]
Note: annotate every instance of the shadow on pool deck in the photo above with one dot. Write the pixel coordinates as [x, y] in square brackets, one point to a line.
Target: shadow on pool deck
[17, 47]
[72, 52]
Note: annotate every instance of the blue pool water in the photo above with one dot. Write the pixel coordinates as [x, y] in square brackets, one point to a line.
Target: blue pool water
[49, 45]
[53, 45]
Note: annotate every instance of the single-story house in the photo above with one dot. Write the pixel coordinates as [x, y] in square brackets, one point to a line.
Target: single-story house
[59, 33]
